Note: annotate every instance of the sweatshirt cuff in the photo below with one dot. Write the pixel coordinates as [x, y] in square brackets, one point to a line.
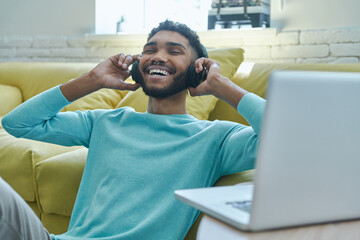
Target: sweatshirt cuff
[252, 108]
[56, 99]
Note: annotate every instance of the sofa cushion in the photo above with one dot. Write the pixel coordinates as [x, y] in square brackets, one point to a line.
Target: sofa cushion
[17, 157]
[57, 181]
[228, 58]
[235, 178]
[54, 223]
[257, 77]
[10, 97]
[200, 107]
[33, 78]
[102, 99]
[253, 77]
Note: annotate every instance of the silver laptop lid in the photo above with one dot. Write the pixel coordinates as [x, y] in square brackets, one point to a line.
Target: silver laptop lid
[308, 168]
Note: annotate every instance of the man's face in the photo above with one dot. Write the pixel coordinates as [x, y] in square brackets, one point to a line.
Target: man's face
[164, 63]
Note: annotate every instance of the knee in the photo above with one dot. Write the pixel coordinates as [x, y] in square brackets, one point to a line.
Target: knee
[7, 196]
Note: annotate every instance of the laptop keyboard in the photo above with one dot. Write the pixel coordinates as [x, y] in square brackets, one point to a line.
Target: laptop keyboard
[242, 205]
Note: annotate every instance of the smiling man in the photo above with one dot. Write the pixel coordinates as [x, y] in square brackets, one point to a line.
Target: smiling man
[137, 160]
[158, 70]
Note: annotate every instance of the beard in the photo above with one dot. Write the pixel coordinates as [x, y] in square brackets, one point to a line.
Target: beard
[176, 86]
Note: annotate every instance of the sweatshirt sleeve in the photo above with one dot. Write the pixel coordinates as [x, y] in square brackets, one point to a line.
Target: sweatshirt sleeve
[39, 118]
[239, 145]
[252, 108]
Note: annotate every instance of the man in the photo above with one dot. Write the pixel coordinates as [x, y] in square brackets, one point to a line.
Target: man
[137, 160]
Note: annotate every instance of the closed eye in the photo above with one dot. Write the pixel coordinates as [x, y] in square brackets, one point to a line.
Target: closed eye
[149, 51]
[174, 52]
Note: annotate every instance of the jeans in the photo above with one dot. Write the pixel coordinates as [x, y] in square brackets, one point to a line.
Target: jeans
[17, 220]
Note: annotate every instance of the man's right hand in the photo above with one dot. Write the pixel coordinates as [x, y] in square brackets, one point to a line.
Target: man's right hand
[110, 73]
[113, 72]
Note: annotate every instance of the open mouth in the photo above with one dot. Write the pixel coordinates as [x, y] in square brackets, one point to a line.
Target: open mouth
[159, 72]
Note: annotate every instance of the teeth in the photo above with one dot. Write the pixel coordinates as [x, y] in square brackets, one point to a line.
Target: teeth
[159, 72]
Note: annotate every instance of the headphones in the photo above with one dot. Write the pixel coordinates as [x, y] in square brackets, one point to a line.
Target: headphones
[193, 79]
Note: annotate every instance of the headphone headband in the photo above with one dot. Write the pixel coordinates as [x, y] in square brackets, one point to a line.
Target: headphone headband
[203, 51]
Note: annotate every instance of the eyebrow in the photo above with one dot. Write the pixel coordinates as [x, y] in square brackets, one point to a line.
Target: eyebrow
[171, 44]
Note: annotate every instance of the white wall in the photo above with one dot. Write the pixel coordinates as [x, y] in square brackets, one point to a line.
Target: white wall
[47, 18]
[314, 14]
[50, 30]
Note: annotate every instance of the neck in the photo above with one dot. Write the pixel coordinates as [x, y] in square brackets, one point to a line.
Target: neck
[167, 106]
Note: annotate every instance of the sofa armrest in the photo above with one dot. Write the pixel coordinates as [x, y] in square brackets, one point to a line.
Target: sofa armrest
[57, 181]
[10, 97]
[18, 157]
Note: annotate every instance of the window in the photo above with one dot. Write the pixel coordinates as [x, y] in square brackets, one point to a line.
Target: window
[140, 16]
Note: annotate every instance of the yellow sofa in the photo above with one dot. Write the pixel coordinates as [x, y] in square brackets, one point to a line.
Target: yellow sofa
[47, 176]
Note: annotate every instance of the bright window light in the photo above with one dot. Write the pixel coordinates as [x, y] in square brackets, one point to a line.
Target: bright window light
[140, 16]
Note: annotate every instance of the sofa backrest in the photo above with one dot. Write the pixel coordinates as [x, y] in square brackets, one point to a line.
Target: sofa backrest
[35, 77]
[32, 78]
[21, 81]
[254, 76]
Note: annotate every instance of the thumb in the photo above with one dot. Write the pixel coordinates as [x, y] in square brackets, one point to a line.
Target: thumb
[130, 86]
[192, 91]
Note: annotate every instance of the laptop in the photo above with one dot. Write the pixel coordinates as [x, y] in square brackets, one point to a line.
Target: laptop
[308, 162]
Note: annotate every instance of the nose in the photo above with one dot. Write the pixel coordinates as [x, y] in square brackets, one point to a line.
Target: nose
[160, 56]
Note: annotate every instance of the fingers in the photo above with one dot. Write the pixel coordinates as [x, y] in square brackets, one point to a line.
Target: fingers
[137, 57]
[213, 75]
[126, 60]
[207, 63]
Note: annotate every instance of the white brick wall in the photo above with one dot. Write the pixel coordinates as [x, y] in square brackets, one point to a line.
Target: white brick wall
[41, 42]
[32, 52]
[300, 51]
[260, 45]
[16, 42]
[349, 35]
[345, 49]
[257, 52]
[321, 46]
[7, 52]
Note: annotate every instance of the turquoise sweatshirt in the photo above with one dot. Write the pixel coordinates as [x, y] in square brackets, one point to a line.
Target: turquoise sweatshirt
[137, 160]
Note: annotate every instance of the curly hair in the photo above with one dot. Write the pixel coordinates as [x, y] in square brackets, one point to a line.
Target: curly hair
[185, 31]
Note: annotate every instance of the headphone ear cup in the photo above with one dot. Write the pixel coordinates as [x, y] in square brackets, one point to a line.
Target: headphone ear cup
[193, 78]
[135, 71]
